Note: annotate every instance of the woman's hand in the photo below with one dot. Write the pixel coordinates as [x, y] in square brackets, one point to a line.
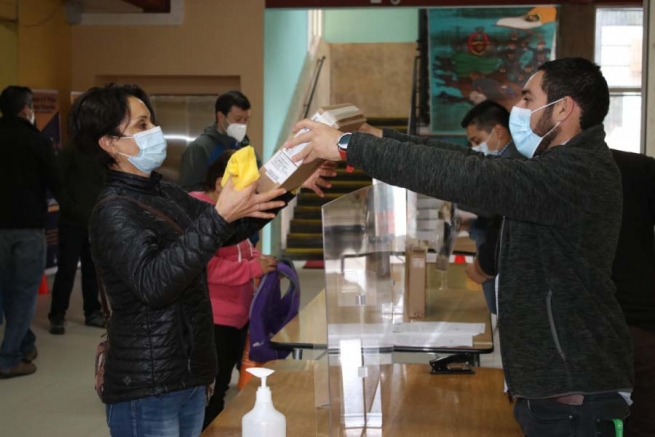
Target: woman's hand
[234, 204]
[267, 263]
[316, 180]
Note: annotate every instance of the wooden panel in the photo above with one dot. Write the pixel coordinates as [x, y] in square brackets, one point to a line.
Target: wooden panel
[377, 78]
[176, 85]
[151, 5]
[577, 31]
[414, 402]
[431, 3]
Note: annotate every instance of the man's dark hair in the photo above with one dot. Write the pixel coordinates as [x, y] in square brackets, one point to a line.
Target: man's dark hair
[225, 101]
[486, 115]
[217, 169]
[14, 98]
[100, 111]
[581, 80]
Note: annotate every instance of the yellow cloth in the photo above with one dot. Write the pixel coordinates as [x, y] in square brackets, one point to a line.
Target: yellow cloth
[242, 168]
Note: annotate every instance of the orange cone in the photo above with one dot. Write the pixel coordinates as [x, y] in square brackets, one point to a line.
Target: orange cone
[43, 288]
[244, 376]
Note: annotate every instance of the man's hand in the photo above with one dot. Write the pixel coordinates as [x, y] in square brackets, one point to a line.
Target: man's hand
[368, 129]
[321, 139]
[476, 274]
[267, 263]
[316, 181]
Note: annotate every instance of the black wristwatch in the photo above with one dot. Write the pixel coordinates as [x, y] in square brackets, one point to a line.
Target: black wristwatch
[342, 145]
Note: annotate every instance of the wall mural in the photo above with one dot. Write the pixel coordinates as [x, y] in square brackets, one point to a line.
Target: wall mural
[484, 53]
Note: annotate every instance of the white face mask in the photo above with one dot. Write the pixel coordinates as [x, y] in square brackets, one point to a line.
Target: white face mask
[483, 147]
[152, 150]
[237, 131]
[525, 140]
[33, 117]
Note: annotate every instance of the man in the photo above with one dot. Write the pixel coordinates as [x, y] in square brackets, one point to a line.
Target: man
[487, 129]
[566, 346]
[232, 111]
[634, 276]
[82, 178]
[27, 171]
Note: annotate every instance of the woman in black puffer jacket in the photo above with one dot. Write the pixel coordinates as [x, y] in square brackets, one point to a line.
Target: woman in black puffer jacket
[151, 242]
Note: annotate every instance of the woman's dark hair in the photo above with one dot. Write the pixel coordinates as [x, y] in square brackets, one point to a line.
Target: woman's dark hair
[217, 169]
[100, 111]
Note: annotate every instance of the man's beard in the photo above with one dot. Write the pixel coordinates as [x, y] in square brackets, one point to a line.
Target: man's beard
[543, 127]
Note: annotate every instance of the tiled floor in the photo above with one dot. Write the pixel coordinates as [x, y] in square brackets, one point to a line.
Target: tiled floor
[59, 400]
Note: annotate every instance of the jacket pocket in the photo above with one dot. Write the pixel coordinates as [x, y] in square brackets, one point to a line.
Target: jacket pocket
[551, 322]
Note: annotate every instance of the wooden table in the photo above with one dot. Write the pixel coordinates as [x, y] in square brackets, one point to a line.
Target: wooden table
[465, 245]
[461, 301]
[414, 403]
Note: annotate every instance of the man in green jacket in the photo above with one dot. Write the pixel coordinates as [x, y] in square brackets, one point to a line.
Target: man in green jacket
[565, 344]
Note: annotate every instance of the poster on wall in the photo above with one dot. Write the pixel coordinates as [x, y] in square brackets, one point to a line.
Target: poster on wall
[47, 120]
[484, 53]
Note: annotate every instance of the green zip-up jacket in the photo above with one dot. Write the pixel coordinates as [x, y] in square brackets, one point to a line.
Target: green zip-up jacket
[561, 328]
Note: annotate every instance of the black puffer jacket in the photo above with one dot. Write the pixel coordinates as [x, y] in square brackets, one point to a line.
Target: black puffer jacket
[161, 328]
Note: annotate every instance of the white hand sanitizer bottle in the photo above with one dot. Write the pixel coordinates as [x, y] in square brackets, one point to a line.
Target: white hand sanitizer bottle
[263, 420]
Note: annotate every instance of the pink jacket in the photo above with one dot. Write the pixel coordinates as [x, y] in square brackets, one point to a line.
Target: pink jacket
[230, 275]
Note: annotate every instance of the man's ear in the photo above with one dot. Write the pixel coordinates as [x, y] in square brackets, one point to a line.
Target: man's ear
[564, 108]
[220, 118]
[217, 186]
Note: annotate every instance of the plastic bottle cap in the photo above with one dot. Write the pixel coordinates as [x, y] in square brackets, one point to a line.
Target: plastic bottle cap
[261, 372]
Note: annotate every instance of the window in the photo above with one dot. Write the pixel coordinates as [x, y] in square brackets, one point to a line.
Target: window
[619, 39]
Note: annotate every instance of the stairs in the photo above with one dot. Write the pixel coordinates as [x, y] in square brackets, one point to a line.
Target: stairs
[305, 238]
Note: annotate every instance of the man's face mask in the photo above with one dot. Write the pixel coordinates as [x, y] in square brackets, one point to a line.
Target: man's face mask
[152, 150]
[483, 147]
[525, 139]
[237, 131]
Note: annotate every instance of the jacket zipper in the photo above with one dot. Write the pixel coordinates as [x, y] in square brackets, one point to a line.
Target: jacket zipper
[551, 322]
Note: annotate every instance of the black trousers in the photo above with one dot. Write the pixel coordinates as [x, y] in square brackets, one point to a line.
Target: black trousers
[74, 246]
[230, 342]
[641, 422]
[549, 418]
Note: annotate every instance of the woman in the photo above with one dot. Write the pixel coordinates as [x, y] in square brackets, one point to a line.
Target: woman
[230, 275]
[151, 243]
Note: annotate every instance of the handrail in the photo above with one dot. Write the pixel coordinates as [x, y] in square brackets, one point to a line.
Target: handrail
[313, 89]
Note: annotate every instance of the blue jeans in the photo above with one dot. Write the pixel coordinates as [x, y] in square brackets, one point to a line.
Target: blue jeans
[176, 414]
[22, 262]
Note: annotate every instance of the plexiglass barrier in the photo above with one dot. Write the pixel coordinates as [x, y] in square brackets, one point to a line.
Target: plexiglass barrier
[365, 235]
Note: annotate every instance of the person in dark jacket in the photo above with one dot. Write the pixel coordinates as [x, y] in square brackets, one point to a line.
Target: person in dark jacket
[27, 171]
[151, 243]
[232, 112]
[487, 129]
[566, 347]
[81, 178]
[634, 275]
[228, 132]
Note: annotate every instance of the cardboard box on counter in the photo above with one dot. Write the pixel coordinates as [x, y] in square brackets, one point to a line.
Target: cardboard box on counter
[281, 171]
[415, 280]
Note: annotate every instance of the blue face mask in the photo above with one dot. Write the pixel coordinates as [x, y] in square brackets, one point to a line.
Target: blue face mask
[525, 140]
[152, 150]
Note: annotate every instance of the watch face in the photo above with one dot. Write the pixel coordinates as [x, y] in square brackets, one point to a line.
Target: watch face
[343, 141]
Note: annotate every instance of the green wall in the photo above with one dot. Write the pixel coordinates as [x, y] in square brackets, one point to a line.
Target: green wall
[285, 49]
[372, 25]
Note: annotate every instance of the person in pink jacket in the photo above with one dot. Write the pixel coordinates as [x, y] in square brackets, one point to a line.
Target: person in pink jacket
[230, 278]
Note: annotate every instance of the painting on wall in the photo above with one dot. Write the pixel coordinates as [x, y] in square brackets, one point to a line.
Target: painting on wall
[484, 53]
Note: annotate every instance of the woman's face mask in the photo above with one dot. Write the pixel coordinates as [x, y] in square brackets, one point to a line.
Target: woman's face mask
[152, 150]
[525, 139]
